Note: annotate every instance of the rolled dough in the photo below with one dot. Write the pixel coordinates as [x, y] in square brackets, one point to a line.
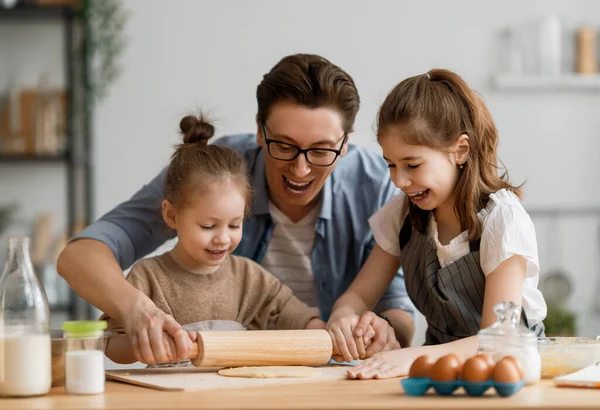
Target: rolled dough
[270, 372]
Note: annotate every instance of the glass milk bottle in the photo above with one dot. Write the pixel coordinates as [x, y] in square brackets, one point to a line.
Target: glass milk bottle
[508, 337]
[25, 358]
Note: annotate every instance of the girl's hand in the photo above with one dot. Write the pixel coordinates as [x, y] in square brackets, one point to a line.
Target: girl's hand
[384, 337]
[346, 345]
[384, 365]
[315, 323]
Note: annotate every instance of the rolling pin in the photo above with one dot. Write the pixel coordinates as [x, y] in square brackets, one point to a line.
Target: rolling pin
[309, 347]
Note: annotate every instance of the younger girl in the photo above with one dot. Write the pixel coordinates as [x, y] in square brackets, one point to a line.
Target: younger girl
[206, 196]
[458, 229]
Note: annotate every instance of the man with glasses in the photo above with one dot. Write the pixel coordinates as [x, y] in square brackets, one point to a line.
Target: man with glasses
[313, 195]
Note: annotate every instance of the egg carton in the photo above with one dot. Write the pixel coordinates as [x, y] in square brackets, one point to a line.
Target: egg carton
[418, 386]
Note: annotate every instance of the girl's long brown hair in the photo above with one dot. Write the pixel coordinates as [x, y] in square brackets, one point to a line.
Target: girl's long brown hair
[434, 109]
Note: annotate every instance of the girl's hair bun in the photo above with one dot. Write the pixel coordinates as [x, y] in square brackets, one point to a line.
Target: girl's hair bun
[196, 130]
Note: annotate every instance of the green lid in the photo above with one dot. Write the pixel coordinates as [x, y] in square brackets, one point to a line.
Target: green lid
[84, 328]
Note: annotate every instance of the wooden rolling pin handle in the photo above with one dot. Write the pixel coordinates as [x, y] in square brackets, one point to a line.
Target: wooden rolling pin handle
[195, 350]
[262, 348]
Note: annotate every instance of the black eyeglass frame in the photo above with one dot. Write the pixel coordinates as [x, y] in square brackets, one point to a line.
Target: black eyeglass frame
[304, 151]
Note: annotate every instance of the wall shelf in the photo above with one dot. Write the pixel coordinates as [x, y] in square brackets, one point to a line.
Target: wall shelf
[28, 10]
[75, 156]
[10, 158]
[569, 81]
[591, 211]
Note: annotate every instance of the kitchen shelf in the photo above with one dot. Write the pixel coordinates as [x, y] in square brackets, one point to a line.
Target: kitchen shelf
[77, 152]
[29, 10]
[47, 159]
[593, 211]
[569, 81]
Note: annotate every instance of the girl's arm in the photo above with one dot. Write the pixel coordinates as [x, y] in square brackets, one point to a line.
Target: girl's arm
[505, 283]
[369, 285]
[119, 350]
[367, 288]
[266, 301]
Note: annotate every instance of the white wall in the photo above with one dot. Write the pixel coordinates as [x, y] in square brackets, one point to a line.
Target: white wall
[212, 55]
[189, 54]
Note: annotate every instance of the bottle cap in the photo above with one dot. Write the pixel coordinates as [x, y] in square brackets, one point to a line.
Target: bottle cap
[84, 328]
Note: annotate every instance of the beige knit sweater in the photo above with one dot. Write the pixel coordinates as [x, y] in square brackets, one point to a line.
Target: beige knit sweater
[240, 290]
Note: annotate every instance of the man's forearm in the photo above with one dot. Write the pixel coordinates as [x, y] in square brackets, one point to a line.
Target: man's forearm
[91, 269]
[403, 324]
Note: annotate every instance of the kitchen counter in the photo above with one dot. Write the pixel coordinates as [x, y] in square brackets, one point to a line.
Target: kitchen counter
[347, 394]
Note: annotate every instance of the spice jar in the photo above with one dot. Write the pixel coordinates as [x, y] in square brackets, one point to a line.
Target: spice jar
[84, 357]
[586, 51]
[508, 337]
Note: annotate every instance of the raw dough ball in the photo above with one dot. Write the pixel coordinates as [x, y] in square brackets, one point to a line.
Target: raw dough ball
[269, 372]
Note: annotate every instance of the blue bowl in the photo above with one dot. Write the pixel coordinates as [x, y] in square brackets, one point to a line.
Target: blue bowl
[508, 389]
[476, 388]
[416, 386]
[445, 388]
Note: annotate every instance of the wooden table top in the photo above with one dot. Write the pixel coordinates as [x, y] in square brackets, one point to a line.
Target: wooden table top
[347, 394]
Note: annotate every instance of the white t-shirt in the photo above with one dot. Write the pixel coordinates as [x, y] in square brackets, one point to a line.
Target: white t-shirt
[289, 254]
[507, 230]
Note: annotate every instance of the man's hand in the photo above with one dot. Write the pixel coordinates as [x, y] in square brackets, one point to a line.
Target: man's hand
[156, 337]
[384, 337]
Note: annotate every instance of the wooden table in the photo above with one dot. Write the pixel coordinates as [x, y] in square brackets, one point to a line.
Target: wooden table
[349, 394]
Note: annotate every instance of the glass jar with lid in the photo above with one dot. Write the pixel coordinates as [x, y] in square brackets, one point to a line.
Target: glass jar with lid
[508, 337]
[84, 356]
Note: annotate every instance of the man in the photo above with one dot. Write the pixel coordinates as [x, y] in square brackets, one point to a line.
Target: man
[313, 194]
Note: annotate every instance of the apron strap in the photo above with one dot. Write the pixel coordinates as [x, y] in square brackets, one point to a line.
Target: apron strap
[474, 245]
[405, 232]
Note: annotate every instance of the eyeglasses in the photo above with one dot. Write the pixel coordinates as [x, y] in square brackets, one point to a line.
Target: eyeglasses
[320, 157]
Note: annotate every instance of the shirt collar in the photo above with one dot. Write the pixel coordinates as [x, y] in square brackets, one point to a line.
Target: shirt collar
[261, 194]
[326, 199]
[260, 205]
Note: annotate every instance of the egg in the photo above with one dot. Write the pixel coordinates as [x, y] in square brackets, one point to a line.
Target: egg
[459, 359]
[488, 359]
[476, 370]
[517, 363]
[421, 367]
[506, 371]
[446, 368]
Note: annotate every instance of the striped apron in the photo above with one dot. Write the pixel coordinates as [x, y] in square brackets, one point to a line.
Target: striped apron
[450, 298]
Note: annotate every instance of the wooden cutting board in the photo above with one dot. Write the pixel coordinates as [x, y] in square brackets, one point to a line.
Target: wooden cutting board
[184, 378]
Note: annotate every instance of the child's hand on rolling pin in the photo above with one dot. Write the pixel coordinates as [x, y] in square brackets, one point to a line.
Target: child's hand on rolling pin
[171, 347]
[383, 337]
[367, 339]
[315, 323]
[347, 346]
